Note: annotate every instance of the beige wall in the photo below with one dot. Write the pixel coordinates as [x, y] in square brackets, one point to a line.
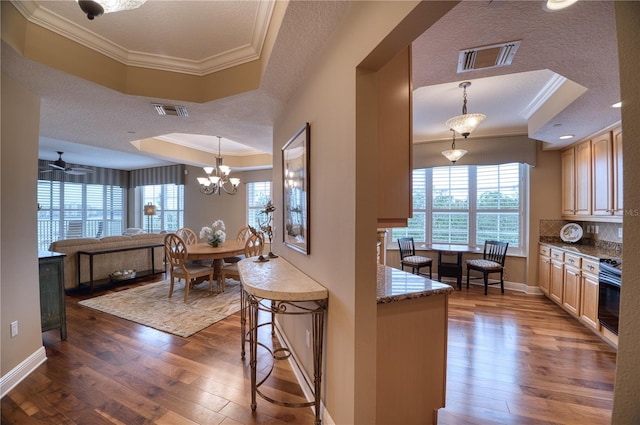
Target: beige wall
[626, 408]
[19, 287]
[343, 202]
[544, 203]
[201, 210]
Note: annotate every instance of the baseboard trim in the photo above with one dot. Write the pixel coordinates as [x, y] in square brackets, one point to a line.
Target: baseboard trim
[303, 379]
[18, 373]
[513, 286]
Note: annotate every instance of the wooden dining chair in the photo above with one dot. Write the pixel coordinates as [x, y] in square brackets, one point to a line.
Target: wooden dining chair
[409, 258]
[179, 268]
[492, 261]
[241, 236]
[253, 247]
[188, 236]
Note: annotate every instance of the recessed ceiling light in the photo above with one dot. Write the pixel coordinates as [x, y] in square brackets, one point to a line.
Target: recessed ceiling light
[553, 5]
[617, 105]
[567, 136]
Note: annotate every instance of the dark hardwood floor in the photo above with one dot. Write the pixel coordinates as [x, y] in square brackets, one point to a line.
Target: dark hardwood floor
[513, 359]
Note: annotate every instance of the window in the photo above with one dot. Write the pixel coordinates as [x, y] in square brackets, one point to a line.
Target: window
[169, 202]
[468, 205]
[75, 210]
[258, 195]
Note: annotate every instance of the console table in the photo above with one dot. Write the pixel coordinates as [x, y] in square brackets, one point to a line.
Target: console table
[289, 291]
[91, 254]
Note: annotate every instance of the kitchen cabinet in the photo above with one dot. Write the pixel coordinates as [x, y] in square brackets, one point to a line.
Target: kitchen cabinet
[602, 183]
[571, 284]
[583, 179]
[576, 180]
[544, 269]
[556, 285]
[52, 308]
[592, 181]
[395, 141]
[618, 207]
[589, 293]
[568, 159]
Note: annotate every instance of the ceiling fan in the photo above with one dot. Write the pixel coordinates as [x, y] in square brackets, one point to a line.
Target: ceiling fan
[61, 165]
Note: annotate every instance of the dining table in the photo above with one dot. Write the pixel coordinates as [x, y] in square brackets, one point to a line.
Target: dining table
[448, 267]
[217, 254]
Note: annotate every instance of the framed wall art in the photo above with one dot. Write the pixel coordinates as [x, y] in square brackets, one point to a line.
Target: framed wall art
[295, 181]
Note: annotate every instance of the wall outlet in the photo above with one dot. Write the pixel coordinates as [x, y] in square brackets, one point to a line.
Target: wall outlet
[620, 232]
[308, 338]
[14, 329]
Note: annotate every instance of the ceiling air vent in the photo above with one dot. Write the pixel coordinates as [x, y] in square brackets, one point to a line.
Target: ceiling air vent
[175, 110]
[487, 56]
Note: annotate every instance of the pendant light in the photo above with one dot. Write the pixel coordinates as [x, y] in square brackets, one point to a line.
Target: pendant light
[454, 154]
[465, 123]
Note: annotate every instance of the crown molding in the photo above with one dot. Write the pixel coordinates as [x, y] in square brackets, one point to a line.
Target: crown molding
[44, 18]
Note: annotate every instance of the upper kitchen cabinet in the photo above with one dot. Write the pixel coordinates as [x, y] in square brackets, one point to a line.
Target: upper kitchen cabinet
[576, 180]
[395, 141]
[618, 206]
[602, 187]
[592, 179]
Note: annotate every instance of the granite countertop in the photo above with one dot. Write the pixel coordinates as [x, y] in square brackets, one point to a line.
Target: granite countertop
[586, 250]
[397, 285]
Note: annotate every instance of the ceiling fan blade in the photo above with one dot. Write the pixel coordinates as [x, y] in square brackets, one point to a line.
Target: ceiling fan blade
[79, 171]
[56, 166]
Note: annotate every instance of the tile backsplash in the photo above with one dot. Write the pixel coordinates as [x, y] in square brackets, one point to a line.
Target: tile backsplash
[599, 234]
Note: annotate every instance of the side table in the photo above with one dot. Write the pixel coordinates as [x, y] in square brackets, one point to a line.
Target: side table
[289, 291]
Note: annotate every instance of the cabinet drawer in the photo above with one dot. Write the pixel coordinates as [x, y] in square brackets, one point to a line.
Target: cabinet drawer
[573, 260]
[557, 254]
[590, 266]
[545, 250]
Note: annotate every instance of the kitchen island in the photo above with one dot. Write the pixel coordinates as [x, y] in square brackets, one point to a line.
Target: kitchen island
[411, 347]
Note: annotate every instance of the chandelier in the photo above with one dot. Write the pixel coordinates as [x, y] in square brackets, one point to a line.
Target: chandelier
[217, 179]
[454, 154]
[465, 123]
[94, 8]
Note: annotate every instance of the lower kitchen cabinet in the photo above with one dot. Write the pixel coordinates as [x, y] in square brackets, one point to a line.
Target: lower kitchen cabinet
[556, 284]
[52, 310]
[589, 293]
[571, 290]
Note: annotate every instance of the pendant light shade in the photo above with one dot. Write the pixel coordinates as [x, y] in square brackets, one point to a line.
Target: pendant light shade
[465, 123]
[454, 154]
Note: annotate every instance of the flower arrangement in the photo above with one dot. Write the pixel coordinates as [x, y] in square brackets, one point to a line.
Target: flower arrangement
[215, 234]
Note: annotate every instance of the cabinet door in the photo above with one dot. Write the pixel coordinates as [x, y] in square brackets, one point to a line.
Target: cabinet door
[602, 183]
[583, 178]
[571, 298]
[557, 279]
[544, 274]
[589, 304]
[395, 141]
[618, 208]
[568, 182]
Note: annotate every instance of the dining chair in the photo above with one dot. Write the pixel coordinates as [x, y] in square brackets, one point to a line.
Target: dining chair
[179, 268]
[241, 236]
[188, 236]
[409, 258]
[253, 247]
[492, 261]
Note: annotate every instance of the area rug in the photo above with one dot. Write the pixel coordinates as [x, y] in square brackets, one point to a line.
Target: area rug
[149, 305]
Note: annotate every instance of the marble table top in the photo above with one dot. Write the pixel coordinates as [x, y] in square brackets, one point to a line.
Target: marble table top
[277, 279]
[397, 285]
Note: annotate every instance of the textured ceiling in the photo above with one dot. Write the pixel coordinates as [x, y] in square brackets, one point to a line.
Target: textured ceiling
[77, 116]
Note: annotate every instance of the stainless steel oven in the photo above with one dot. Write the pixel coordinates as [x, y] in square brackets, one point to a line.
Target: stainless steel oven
[609, 280]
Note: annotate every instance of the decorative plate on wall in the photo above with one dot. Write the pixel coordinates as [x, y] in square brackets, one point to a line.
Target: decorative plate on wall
[571, 232]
